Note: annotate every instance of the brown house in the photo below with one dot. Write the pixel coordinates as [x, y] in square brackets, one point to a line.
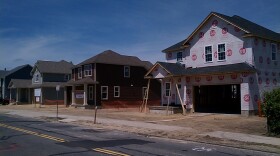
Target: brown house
[111, 80]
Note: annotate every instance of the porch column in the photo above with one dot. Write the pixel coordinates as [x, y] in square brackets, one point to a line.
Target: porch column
[28, 94]
[85, 94]
[41, 98]
[73, 95]
[17, 96]
[65, 95]
[10, 95]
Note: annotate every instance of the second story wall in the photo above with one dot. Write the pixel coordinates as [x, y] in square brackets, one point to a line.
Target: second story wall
[50, 77]
[218, 38]
[37, 77]
[266, 54]
[108, 74]
[79, 72]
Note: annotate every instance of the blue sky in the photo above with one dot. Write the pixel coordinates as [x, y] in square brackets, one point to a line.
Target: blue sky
[75, 30]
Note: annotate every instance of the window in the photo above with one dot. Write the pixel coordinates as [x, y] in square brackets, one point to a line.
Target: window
[208, 54]
[116, 91]
[143, 91]
[221, 52]
[36, 78]
[167, 89]
[179, 56]
[273, 52]
[80, 73]
[126, 71]
[104, 92]
[67, 77]
[88, 70]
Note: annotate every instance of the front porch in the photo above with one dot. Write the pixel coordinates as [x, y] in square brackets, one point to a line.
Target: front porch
[81, 93]
[223, 89]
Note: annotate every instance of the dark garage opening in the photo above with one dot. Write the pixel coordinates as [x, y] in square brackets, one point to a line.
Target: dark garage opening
[218, 99]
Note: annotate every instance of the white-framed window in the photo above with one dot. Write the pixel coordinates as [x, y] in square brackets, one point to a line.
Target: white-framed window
[80, 73]
[126, 71]
[208, 54]
[36, 78]
[167, 89]
[221, 52]
[90, 92]
[67, 77]
[273, 51]
[116, 91]
[144, 91]
[104, 92]
[179, 56]
[88, 70]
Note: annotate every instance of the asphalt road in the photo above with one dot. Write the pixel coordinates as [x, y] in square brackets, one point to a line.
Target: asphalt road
[32, 137]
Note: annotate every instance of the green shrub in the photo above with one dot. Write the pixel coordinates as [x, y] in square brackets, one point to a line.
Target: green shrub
[271, 109]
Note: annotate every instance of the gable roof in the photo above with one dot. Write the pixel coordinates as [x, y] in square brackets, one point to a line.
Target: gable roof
[15, 69]
[250, 28]
[61, 67]
[175, 69]
[111, 57]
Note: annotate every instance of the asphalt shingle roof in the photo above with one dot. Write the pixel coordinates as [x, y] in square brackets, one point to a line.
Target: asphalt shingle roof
[61, 67]
[111, 57]
[20, 83]
[177, 69]
[251, 28]
[4, 73]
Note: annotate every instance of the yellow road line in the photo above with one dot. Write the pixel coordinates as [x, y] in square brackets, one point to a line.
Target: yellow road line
[109, 152]
[32, 133]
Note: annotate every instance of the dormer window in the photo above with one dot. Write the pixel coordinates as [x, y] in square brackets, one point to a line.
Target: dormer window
[79, 73]
[36, 78]
[126, 71]
[88, 70]
[179, 56]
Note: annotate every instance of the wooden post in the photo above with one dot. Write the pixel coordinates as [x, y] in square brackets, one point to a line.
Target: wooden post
[95, 113]
[145, 98]
[182, 104]
[167, 107]
[147, 95]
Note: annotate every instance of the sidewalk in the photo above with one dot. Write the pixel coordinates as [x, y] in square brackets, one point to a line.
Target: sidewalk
[157, 129]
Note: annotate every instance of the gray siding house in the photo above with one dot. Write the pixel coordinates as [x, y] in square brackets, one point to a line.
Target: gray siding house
[46, 76]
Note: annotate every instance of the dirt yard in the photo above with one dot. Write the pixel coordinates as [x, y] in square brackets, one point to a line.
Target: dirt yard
[195, 124]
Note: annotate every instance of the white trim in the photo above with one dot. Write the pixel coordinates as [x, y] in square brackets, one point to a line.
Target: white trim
[166, 89]
[128, 71]
[211, 53]
[88, 72]
[90, 92]
[119, 91]
[224, 52]
[275, 51]
[104, 92]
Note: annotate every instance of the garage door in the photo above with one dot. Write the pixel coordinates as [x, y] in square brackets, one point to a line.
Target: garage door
[218, 99]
